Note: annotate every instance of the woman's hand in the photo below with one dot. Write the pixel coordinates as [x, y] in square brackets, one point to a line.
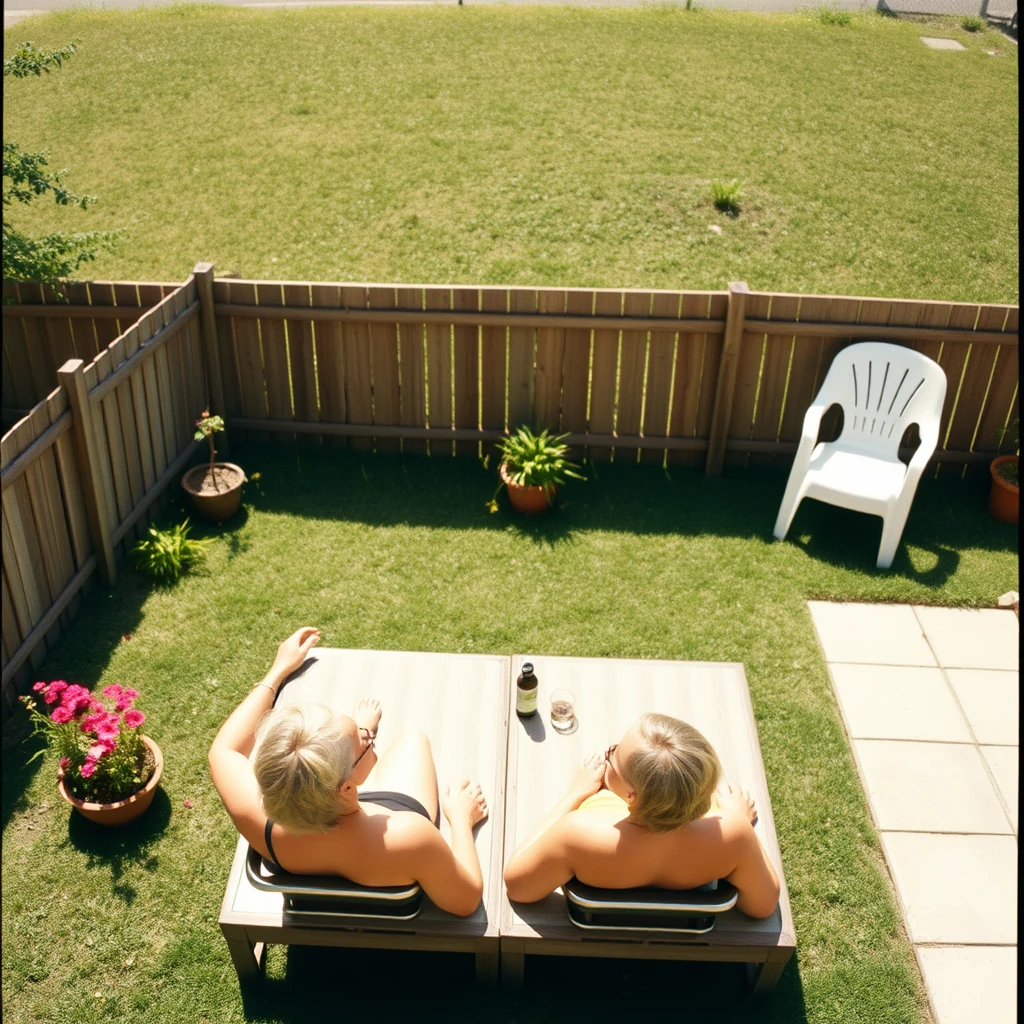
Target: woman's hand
[589, 778]
[466, 803]
[734, 800]
[367, 714]
[292, 651]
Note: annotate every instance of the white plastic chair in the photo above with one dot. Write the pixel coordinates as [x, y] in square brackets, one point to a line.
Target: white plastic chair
[882, 389]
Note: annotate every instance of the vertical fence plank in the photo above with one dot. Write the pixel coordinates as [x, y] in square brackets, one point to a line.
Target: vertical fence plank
[748, 379]
[969, 390]
[413, 398]
[224, 326]
[800, 392]
[151, 399]
[690, 379]
[12, 577]
[604, 373]
[493, 355]
[632, 364]
[249, 355]
[547, 381]
[998, 412]
[83, 328]
[74, 498]
[466, 369]
[384, 363]
[56, 337]
[358, 372]
[136, 387]
[275, 360]
[662, 349]
[328, 347]
[522, 344]
[576, 369]
[439, 369]
[727, 373]
[778, 349]
[101, 293]
[19, 388]
[302, 359]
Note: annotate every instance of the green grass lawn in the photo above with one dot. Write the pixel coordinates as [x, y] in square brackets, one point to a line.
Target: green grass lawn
[398, 552]
[531, 145]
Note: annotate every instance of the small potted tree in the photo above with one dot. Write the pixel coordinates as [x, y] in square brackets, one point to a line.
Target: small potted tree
[532, 467]
[215, 488]
[1004, 495]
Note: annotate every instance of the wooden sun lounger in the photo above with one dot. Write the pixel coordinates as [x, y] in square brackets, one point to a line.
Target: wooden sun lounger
[610, 695]
[461, 703]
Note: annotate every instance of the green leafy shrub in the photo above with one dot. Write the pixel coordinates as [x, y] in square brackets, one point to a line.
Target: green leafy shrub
[535, 460]
[972, 23]
[165, 554]
[833, 16]
[726, 196]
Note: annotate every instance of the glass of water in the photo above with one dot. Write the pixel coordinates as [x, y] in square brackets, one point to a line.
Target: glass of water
[563, 711]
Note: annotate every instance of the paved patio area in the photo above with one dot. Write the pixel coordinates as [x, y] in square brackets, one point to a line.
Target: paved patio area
[930, 701]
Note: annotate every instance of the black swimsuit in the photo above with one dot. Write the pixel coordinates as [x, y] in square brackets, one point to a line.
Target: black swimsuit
[382, 797]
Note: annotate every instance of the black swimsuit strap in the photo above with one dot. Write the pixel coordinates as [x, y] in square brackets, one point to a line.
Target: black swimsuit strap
[270, 845]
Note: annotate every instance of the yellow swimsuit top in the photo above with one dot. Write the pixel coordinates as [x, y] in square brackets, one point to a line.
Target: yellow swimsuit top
[605, 800]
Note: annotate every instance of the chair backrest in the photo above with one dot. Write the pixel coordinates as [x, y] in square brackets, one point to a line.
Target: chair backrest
[882, 389]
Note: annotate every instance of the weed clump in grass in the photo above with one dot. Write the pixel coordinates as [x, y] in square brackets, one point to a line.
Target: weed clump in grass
[972, 23]
[832, 16]
[164, 555]
[726, 196]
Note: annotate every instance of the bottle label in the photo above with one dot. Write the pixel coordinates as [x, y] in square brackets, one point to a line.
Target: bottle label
[526, 701]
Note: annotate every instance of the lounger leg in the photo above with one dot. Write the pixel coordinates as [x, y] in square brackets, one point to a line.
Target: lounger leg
[487, 970]
[765, 976]
[513, 969]
[247, 957]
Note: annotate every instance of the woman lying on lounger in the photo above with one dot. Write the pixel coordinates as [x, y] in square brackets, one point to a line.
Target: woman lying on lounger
[297, 803]
[646, 813]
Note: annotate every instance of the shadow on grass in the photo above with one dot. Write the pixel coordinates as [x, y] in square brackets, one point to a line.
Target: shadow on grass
[117, 848]
[385, 489]
[557, 989]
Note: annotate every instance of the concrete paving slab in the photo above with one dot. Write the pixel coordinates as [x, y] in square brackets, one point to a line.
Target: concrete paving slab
[898, 703]
[972, 637]
[991, 702]
[934, 43]
[1005, 765]
[940, 880]
[968, 984]
[929, 787]
[873, 634]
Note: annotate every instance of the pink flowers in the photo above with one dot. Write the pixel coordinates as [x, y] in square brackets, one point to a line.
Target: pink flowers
[101, 751]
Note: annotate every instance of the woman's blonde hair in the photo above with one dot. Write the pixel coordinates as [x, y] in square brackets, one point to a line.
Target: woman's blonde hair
[674, 772]
[302, 756]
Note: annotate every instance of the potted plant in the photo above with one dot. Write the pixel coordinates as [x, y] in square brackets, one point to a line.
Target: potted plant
[108, 770]
[216, 488]
[532, 467]
[1004, 494]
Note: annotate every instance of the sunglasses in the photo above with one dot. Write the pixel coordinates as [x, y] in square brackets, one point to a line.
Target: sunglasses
[608, 754]
[370, 739]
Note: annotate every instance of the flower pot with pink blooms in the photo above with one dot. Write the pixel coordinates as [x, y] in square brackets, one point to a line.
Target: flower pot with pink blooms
[108, 770]
[216, 487]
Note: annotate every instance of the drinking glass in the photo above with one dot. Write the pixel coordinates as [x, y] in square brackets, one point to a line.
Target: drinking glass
[563, 711]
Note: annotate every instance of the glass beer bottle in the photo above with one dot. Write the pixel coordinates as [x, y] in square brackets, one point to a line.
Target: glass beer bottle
[526, 692]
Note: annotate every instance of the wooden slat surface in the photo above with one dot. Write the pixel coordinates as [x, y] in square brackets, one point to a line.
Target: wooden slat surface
[413, 410]
[461, 703]
[249, 359]
[302, 359]
[275, 360]
[774, 377]
[329, 347]
[466, 369]
[493, 354]
[632, 364]
[439, 369]
[550, 352]
[610, 695]
[660, 365]
[576, 369]
[384, 357]
[522, 344]
[604, 370]
[358, 371]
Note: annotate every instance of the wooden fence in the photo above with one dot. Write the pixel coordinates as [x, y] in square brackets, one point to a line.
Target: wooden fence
[707, 378]
[42, 332]
[86, 467]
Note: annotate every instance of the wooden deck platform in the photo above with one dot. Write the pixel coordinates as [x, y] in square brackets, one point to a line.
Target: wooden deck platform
[461, 703]
[610, 695]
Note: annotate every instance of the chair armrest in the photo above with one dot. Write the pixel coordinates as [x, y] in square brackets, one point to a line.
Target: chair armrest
[925, 450]
[809, 434]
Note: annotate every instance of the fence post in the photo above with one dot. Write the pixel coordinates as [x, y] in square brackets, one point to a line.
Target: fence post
[203, 274]
[727, 368]
[72, 380]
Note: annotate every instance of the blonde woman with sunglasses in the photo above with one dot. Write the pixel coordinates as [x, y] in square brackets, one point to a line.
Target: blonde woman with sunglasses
[648, 813]
[298, 803]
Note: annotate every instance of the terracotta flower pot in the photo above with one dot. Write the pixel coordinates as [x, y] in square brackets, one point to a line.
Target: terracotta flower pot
[123, 811]
[215, 496]
[1004, 497]
[529, 500]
